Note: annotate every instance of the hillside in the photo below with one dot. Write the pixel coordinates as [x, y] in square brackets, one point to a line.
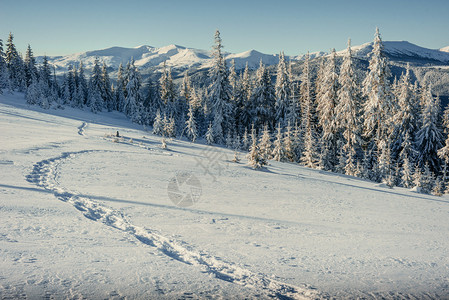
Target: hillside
[89, 215]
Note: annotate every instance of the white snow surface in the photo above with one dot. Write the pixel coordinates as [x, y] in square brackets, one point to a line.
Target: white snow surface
[85, 215]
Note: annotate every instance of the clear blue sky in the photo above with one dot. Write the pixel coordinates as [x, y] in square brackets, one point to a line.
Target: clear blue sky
[62, 27]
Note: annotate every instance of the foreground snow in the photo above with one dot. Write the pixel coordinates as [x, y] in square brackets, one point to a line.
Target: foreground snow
[86, 215]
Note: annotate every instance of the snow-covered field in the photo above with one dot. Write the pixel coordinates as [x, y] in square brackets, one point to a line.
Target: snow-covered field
[85, 215]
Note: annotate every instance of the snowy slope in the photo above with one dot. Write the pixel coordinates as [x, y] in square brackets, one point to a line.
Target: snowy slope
[85, 215]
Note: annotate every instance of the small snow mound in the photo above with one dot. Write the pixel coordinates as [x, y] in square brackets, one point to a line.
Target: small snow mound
[416, 189]
[382, 185]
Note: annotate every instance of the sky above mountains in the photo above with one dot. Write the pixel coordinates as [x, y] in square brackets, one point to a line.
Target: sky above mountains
[61, 27]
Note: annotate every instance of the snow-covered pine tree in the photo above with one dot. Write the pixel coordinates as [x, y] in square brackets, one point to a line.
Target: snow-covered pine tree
[347, 112]
[94, 99]
[429, 138]
[427, 179]
[120, 89]
[438, 187]
[255, 158]
[191, 127]
[406, 173]
[263, 98]
[376, 89]
[158, 124]
[417, 179]
[81, 88]
[294, 106]
[326, 104]
[14, 64]
[106, 92]
[385, 164]
[209, 134]
[308, 133]
[282, 92]
[133, 107]
[4, 80]
[30, 66]
[219, 92]
[265, 144]
[278, 153]
[406, 116]
[245, 141]
[289, 151]
[236, 145]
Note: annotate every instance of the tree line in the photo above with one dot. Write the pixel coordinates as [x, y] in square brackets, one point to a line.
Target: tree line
[370, 126]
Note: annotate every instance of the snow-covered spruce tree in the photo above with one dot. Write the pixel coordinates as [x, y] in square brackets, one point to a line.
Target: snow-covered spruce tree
[191, 127]
[278, 153]
[168, 92]
[209, 135]
[376, 89]
[106, 92]
[265, 144]
[347, 112]
[406, 173]
[158, 124]
[385, 164]
[237, 144]
[282, 92]
[308, 133]
[14, 64]
[228, 140]
[79, 97]
[255, 158]
[120, 89]
[94, 99]
[429, 138]
[263, 98]
[245, 141]
[219, 92]
[438, 187]
[186, 94]
[133, 107]
[406, 116]
[443, 153]
[4, 80]
[326, 104]
[294, 106]
[30, 66]
[232, 79]
[427, 179]
[289, 151]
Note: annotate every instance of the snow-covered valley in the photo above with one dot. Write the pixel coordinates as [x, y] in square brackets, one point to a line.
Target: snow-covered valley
[87, 215]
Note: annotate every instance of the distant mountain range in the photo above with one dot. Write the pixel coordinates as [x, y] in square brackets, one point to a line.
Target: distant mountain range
[180, 58]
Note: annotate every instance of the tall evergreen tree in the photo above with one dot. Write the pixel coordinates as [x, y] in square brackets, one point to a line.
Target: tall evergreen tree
[326, 104]
[308, 129]
[94, 99]
[263, 98]
[406, 116]
[376, 89]
[30, 66]
[106, 92]
[133, 102]
[429, 137]
[282, 92]
[347, 112]
[219, 92]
